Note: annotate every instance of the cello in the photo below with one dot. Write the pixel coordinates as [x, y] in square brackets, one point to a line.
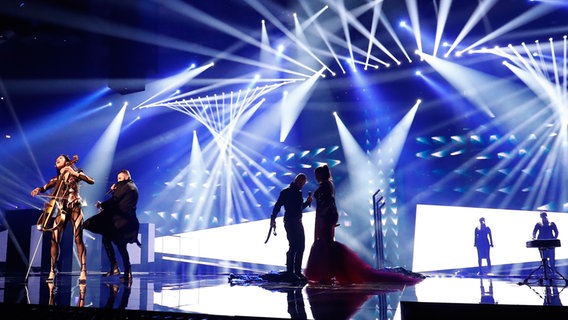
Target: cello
[55, 206]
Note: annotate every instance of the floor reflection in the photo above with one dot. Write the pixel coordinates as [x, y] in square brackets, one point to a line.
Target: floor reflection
[216, 295]
[486, 286]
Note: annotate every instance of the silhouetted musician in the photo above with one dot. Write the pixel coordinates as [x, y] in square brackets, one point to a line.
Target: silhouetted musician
[545, 234]
[546, 230]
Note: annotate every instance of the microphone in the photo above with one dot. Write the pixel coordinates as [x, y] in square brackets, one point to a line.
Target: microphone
[111, 189]
[309, 195]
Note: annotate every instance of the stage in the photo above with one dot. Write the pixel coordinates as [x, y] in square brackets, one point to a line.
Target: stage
[213, 296]
[207, 287]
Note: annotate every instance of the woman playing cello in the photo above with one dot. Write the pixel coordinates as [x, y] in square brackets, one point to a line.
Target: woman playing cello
[65, 205]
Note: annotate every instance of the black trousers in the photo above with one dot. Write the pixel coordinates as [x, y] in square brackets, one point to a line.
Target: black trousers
[297, 244]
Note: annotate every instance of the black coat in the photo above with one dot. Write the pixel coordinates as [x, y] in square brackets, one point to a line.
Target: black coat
[117, 219]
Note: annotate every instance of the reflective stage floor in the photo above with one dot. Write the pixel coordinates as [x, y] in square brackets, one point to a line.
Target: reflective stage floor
[155, 295]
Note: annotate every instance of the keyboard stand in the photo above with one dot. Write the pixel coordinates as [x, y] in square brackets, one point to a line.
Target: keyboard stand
[548, 273]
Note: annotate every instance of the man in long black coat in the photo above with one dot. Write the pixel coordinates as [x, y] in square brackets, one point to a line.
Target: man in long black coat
[117, 223]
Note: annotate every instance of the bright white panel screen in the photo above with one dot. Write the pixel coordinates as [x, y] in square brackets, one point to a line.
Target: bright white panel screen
[444, 236]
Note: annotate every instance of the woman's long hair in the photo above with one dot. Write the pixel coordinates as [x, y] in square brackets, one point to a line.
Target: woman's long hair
[322, 173]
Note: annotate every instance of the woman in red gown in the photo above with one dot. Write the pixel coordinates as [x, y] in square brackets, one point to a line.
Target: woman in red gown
[333, 262]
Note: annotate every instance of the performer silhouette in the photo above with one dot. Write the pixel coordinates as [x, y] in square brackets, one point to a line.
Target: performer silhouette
[483, 241]
[293, 202]
[546, 230]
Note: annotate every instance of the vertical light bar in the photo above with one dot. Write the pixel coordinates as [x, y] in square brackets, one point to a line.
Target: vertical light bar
[376, 16]
[555, 68]
[441, 23]
[564, 71]
[415, 21]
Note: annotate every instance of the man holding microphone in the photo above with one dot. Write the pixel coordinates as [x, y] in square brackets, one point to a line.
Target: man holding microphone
[293, 202]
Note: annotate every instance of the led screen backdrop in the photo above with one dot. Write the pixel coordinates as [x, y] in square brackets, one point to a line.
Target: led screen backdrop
[444, 236]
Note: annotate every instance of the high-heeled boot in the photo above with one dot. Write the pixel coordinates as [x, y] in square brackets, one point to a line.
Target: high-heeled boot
[83, 274]
[82, 294]
[52, 275]
[52, 271]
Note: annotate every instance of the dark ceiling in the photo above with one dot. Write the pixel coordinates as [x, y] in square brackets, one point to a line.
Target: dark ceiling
[88, 39]
[54, 48]
[93, 39]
